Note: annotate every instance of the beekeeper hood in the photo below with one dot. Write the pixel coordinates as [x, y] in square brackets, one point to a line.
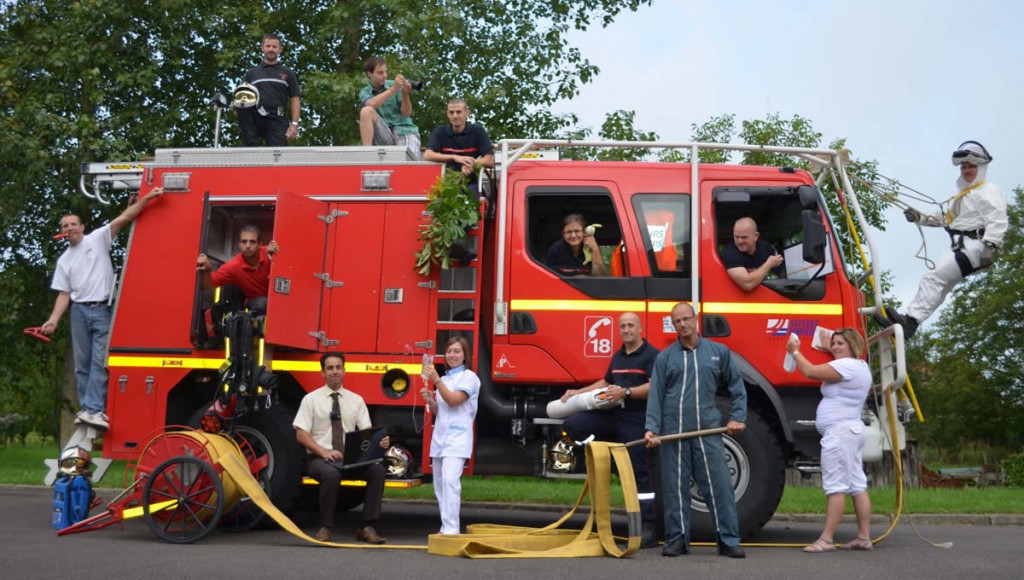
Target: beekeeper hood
[974, 153]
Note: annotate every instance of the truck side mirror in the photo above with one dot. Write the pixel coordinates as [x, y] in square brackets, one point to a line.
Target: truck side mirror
[814, 236]
[808, 195]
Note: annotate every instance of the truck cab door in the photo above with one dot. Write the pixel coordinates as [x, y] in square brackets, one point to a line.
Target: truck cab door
[561, 326]
[297, 278]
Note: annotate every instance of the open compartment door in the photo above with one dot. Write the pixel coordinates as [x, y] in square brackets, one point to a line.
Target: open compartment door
[297, 273]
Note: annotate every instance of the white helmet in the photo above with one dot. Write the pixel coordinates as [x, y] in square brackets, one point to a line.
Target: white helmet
[398, 462]
[245, 96]
[74, 461]
[562, 456]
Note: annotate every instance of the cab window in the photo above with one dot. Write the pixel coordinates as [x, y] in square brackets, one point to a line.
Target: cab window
[665, 228]
[778, 213]
[547, 209]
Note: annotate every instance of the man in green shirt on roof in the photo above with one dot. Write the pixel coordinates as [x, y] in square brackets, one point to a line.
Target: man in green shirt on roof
[386, 114]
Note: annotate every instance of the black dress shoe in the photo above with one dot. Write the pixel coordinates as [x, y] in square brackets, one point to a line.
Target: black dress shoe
[731, 552]
[676, 548]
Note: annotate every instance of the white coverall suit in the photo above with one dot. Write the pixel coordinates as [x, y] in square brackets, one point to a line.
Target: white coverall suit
[979, 216]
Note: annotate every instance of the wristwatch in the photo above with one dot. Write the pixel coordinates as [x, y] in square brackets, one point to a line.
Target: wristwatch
[629, 392]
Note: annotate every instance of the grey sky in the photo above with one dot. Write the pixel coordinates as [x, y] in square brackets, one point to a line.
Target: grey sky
[904, 82]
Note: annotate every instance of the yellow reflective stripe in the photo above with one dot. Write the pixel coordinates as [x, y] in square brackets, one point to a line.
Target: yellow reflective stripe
[355, 367]
[792, 308]
[311, 366]
[156, 361]
[663, 307]
[136, 512]
[307, 366]
[392, 483]
[578, 305]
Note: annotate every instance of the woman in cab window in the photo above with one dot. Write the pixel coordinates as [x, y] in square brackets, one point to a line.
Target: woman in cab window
[577, 253]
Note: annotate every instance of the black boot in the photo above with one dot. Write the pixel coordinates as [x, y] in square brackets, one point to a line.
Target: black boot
[649, 537]
[731, 551]
[909, 323]
[676, 548]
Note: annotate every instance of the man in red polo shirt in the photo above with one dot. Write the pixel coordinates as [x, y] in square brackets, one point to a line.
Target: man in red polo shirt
[249, 270]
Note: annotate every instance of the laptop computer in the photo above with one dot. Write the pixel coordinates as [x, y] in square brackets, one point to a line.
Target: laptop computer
[363, 448]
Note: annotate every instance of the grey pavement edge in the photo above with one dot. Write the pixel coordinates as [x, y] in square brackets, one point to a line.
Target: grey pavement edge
[905, 518]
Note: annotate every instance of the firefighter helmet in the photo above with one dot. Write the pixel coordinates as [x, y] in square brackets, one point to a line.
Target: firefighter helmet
[398, 462]
[75, 461]
[245, 96]
[563, 456]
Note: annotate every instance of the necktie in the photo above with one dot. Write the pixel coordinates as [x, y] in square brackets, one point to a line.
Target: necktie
[337, 430]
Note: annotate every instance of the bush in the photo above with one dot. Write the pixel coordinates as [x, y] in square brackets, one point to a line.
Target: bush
[1013, 466]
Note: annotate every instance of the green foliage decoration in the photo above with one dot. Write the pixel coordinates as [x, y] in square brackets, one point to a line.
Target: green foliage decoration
[452, 211]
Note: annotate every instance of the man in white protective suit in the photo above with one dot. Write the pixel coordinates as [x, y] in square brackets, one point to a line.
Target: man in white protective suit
[976, 221]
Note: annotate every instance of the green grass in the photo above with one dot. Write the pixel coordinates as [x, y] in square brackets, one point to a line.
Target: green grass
[794, 499]
[23, 464]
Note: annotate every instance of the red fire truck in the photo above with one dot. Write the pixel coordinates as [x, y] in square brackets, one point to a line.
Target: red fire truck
[346, 220]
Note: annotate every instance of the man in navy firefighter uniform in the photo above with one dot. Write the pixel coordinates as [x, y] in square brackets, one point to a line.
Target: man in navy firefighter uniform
[627, 379]
[277, 87]
[682, 399]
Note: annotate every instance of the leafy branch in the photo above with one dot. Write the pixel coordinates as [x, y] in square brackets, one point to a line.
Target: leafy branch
[452, 211]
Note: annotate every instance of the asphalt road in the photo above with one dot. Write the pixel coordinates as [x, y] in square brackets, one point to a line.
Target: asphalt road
[30, 548]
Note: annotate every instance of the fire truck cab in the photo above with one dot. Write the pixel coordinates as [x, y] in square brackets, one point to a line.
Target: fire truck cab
[346, 220]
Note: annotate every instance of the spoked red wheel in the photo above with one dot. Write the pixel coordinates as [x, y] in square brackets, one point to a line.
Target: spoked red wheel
[183, 500]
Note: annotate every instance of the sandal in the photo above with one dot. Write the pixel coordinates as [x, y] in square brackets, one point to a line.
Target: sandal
[858, 543]
[820, 545]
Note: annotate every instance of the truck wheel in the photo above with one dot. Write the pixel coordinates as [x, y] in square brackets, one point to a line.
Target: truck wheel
[758, 473]
[270, 433]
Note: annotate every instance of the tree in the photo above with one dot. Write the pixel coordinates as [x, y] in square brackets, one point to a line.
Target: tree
[617, 126]
[106, 80]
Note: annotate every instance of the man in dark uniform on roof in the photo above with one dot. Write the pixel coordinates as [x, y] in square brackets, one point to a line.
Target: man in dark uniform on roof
[277, 88]
[460, 145]
[628, 379]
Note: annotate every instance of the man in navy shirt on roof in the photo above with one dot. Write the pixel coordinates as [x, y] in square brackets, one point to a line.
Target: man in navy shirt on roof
[277, 87]
[460, 145]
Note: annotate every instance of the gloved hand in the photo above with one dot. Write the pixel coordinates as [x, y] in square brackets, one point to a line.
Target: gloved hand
[988, 254]
[913, 216]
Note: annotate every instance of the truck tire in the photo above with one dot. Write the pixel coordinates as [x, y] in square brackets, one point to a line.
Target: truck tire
[758, 473]
[270, 431]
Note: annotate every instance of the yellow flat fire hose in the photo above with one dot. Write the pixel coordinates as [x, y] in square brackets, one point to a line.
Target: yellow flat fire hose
[501, 541]
[498, 541]
[238, 470]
